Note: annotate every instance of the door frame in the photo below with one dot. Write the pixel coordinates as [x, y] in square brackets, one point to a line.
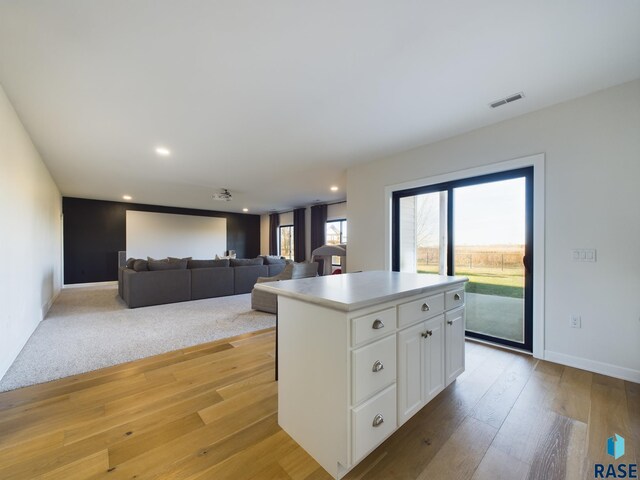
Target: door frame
[538, 163]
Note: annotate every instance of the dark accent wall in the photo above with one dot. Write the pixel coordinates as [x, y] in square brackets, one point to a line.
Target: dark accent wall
[95, 230]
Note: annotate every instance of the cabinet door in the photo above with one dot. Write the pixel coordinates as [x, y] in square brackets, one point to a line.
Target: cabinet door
[434, 358]
[410, 372]
[454, 337]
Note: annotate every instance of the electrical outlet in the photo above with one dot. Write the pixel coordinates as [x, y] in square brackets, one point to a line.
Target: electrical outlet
[575, 321]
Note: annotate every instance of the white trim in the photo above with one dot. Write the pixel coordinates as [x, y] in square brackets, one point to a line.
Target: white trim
[538, 163]
[93, 284]
[496, 345]
[13, 354]
[10, 357]
[623, 373]
[47, 306]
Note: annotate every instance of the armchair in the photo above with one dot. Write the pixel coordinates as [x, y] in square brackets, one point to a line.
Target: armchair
[268, 302]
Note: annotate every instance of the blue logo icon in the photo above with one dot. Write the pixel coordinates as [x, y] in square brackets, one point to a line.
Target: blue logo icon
[615, 446]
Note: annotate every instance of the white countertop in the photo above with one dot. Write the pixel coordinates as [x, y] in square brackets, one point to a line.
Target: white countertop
[352, 291]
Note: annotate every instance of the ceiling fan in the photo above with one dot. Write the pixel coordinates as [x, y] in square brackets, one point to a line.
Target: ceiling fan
[224, 196]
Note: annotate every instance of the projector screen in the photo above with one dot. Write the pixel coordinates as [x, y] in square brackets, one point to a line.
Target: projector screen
[161, 235]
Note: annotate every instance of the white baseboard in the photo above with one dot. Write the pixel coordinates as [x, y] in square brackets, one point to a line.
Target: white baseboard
[7, 360]
[94, 284]
[593, 366]
[47, 306]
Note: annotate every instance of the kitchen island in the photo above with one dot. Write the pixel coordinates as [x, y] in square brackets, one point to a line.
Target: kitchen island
[360, 353]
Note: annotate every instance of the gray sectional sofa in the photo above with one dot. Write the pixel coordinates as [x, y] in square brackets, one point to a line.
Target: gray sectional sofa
[180, 280]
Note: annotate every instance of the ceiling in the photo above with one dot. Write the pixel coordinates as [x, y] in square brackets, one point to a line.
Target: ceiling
[275, 100]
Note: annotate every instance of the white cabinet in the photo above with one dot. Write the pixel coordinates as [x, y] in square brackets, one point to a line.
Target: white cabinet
[410, 371]
[454, 348]
[373, 421]
[352, 371]
[421, 359]
[374, 367]
[434, 358]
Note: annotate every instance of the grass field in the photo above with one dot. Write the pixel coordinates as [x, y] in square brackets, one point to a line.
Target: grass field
[488, 281]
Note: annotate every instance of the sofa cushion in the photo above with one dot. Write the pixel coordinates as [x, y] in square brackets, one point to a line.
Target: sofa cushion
[246, 262]
[156, 288]
[130, 262]
[141, 266]
[304, 270]
[244, 278]
[276, 269]
[273, 260]
[207, 263]
[211, 282]
[157, 265]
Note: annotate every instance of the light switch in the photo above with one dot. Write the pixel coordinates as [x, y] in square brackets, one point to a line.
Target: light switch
[583, 255]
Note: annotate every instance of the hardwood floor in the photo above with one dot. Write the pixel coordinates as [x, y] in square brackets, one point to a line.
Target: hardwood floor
[210, 412]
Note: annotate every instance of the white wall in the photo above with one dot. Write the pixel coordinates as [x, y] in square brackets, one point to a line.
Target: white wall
[161, 235]
[30, 236]
[592, 199]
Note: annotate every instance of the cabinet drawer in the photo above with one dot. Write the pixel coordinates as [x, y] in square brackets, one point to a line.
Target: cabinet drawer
[454, 299]
[372, 422]
[372, 326]
[374, 367]
[421, 309]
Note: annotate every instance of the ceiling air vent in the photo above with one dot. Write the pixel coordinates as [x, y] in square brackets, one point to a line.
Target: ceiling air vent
[509, 99]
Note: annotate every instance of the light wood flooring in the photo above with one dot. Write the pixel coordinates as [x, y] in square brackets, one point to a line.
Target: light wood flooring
[209, 412]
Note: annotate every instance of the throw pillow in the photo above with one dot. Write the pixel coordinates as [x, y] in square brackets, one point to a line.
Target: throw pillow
[272, 260]
[174, 259]
[130, 262]
[207, 263]
[141, 265]
[158, 265]
[245, 262]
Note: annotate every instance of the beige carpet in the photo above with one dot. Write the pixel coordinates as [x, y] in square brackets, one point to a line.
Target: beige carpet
[90, 328]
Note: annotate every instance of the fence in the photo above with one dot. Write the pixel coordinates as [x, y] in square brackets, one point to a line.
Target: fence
[474, 259]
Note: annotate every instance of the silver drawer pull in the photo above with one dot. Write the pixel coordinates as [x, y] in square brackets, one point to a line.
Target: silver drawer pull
[377, 366]
[377, 420]
[426, 334]
[456, 296]
[425, 307]
[450, 322]
[377, 325]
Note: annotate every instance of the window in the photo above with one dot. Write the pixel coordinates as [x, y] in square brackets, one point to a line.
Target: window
[336, 235]
[480, 227]
[285, 237]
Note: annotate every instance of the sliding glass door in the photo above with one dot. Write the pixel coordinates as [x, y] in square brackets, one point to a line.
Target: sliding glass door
[481, 228]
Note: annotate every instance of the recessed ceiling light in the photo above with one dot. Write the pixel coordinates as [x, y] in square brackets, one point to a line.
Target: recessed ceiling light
[163, 152]
[245, 209]
[126, 197]
[334, 189]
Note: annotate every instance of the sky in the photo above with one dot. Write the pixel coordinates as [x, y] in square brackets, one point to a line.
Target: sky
[485, 214]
